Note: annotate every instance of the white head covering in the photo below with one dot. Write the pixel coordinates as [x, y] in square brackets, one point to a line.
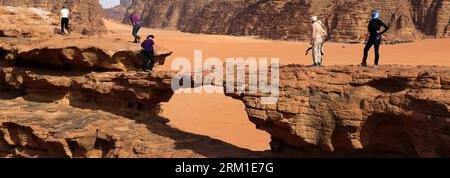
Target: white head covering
[314, 19]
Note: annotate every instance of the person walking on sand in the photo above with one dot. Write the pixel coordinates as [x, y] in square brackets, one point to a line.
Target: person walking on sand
[317, 41]
[148, 53]
[65, 20]
[136, 22]
[375, 37]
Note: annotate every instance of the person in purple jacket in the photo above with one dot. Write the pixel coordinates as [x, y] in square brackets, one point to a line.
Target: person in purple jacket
[136, 22]
[148, 53]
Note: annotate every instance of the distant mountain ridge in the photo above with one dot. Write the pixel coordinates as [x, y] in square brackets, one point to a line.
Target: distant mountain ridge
[346, 20]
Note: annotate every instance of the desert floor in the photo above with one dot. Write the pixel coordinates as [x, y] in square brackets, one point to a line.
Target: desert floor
[224, 118]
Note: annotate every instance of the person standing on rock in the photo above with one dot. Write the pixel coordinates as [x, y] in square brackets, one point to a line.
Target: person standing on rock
[375, 37]
[317, 41]
[321, 48]
[148, 53]
[65, 20]
[136, 22]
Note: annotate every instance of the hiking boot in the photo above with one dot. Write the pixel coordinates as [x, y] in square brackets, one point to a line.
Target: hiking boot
[364, 64]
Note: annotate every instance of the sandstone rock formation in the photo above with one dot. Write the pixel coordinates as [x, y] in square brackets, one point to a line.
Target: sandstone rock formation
[215, 17]
[349, 110]
[87, 59]
[167, 14]
[86, 99]
[69, 100]
[26, 22]
[114, 114]
[27, 39]
[86, 16]
[76, 113]
[116, 13]
[346, 21]
[82, 96]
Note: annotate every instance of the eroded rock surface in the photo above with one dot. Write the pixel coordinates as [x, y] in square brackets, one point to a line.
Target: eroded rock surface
[26, 22]
[47, 113]
[87, 59]
[27, 37]
[351, 110]
[82, 96]
[86, 16]
[33, 129]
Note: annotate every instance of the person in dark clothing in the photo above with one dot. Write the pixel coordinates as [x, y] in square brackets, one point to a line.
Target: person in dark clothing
[148, 53]
[136, 22]
[375, 37]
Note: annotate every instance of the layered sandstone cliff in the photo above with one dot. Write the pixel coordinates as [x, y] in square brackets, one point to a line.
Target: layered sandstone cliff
[86, 15]
[349, 110]
[116, 13]
[174, 14]
[345, 20]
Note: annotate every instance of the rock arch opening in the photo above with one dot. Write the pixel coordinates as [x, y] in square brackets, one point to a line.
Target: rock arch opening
[217, 116]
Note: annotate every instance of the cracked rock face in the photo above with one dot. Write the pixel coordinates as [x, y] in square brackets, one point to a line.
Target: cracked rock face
[350, 110]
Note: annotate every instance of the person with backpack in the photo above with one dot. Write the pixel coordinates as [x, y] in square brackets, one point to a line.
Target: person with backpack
[148, 53]
[374, 28]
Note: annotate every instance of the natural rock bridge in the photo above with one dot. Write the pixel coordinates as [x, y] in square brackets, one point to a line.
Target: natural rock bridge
[54, 105]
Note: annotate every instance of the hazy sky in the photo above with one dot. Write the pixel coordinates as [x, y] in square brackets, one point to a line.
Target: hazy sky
[109, 3]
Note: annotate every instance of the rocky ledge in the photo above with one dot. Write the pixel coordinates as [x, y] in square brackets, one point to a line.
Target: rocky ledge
[350, 110]
[80, 58]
